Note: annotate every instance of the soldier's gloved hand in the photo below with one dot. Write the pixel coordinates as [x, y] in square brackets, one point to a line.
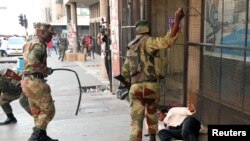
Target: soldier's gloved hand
[49, 71]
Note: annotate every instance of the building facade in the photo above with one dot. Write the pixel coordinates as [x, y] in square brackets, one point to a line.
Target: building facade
[219, 43]
[59, 17]
[209, 64]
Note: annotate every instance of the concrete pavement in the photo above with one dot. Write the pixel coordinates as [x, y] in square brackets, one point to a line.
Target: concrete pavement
[102, 117]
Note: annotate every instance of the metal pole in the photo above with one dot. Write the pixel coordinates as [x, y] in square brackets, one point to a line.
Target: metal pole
[128, 27]
[109, 54]
[141, 9]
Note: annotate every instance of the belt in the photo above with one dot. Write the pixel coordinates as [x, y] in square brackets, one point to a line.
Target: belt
[37, 75]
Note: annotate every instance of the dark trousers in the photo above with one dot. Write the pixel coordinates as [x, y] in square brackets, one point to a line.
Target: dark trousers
[61, 53]
[107, 60]
[188, 131]
[55, 48]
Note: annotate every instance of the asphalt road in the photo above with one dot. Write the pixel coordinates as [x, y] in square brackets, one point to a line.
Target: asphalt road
[102, 117]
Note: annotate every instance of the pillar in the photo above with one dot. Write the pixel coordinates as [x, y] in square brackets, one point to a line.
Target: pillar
[103, 13]
[103, 8]
[68, 13]
[73, 40]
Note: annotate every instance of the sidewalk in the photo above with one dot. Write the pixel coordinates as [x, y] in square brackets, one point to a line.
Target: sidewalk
[102, 117]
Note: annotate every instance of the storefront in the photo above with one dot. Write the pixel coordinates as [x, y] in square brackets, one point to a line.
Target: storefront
[224, 57]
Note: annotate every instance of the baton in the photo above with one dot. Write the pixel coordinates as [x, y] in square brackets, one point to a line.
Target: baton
[79, 83]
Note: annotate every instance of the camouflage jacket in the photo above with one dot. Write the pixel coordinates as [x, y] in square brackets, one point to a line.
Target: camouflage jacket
[35, 57]
[139, 65]
[8, 85]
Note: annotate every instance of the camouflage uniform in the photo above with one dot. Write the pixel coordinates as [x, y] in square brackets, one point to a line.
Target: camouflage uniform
[139, 70]
[63, 43]
[34, 85]
[10, 90]
[36, 89]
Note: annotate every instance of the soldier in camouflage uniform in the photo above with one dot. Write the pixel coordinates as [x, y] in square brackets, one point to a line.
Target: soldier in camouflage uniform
[63, 45]
[10, 90]
[139, 70]
[33, 83]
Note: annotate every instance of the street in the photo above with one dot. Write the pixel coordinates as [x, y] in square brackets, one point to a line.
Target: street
[102, 117]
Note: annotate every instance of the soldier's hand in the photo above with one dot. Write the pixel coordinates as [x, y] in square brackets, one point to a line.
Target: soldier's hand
[49, 71]
[179, 14]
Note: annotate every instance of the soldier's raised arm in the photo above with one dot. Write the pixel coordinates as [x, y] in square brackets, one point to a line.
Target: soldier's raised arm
[156, 43]
[179, 14]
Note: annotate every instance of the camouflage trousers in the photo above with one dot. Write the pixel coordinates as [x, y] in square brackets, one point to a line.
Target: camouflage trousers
[24, 102]
[7, 98]
[40, 101]
[144, 100]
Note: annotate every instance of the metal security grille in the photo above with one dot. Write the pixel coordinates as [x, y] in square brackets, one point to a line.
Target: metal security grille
[225, 62]
[158, 12]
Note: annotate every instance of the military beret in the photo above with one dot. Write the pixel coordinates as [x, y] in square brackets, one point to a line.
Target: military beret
[142, 23]
[43, 26]
[142, 27]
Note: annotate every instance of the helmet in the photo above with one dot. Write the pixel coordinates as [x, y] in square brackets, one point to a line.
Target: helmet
[142, 27]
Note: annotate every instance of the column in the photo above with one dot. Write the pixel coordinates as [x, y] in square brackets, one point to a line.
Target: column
[103, 13]
[73, 27]
[103, 8]
[68, 13]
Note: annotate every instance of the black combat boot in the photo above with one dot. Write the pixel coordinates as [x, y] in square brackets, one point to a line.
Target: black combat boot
[40, 135]
[152, 137]
[10, 119]
[35, 135]
[45, 137]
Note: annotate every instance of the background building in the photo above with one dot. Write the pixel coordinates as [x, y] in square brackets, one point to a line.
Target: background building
[59, 17]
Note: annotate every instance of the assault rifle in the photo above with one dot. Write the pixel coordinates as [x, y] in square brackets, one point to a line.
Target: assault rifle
[125, 85]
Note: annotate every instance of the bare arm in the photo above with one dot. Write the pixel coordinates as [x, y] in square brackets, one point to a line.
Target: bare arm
[179, 14]
[156, 43]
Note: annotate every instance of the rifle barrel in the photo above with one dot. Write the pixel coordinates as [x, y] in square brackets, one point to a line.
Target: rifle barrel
[128, 27]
